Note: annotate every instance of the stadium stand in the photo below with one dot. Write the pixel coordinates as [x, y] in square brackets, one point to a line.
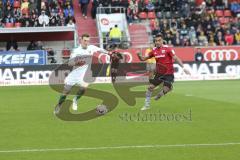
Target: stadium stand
[30, 13]
[199, 19]
[182, 23]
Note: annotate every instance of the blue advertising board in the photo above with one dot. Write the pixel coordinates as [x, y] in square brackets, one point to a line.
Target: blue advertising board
[23, 58]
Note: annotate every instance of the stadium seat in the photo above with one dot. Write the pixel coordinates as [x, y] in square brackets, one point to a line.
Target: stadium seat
[226, 20]
[151, 15]
[142, 15]
[223, 20]
[18, 24]
[17, 4]
[146, 1]
[219, 13]
[152, 23]
[66, 53]
[227, 13]
[234, 20]
[25, 11]
[9, 25]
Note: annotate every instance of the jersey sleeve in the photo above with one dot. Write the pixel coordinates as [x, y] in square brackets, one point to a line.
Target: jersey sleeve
[73, 53]
[97, 49]
[151, 54]
[171, 51]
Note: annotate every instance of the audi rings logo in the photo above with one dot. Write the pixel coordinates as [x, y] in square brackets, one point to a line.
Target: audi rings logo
[220, 55]
[106, 59]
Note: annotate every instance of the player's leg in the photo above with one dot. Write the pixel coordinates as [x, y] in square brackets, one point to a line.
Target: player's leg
[151, 74]
[153, 67]
[78, 95]
[153, 84]
[81, 82]
[148, 70]
[163, 91]
[113, 74]
[167, 86]
[151, 70]
[63, 96]
[149, 91]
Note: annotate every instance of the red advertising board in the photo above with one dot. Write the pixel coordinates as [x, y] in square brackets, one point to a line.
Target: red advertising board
[219, 53]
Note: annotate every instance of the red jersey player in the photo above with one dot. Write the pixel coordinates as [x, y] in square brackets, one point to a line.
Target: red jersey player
[165, 57]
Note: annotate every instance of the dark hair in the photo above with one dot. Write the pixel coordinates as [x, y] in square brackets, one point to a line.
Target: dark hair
[85, 35]
[159, 35]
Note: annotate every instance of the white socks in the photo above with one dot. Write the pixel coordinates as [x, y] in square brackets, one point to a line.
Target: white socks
[148, 98]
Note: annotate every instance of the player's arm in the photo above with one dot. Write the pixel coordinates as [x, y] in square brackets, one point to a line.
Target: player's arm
[101, 50]
[143, 58]
[179, 61]
[74, 59]
[71, 62]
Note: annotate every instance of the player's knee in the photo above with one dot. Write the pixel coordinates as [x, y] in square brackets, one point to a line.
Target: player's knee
[81, 91]
[150, 88]
[67, 90]
[167, 88]
[65, 93]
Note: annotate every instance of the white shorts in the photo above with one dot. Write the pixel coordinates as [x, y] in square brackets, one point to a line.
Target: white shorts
[76, 77]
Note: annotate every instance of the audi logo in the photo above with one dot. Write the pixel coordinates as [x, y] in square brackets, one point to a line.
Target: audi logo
[106, 58]
[220, 55]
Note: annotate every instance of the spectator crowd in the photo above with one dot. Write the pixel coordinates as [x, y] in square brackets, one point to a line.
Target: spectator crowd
[185, 22]
[182, 22]
[33, 13]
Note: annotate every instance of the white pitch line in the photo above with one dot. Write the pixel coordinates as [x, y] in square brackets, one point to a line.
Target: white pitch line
[119, 147]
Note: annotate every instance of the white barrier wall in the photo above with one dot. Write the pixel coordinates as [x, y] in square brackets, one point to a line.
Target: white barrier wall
[39, 75]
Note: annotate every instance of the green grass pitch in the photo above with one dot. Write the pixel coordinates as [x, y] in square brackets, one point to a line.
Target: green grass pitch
[30, 131]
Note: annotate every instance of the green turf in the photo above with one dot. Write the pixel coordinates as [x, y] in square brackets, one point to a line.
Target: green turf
[27, 122]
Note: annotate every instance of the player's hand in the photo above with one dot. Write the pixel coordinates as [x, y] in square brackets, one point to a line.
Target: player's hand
[186, 71]
[139, 55]
[79, 61]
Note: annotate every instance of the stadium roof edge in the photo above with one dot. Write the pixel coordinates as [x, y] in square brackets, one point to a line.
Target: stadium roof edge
[37, 29]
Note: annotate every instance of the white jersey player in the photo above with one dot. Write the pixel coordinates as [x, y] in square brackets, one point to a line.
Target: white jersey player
[81, 75]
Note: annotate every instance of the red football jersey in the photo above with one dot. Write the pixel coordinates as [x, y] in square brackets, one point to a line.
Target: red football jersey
[164, 59]
[115, 57]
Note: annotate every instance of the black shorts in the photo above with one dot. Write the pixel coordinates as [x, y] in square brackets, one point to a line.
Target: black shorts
[115, 65]
[167, 80]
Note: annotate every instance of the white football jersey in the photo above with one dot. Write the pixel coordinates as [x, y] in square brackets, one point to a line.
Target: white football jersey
[86, 54]
[80, 74]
